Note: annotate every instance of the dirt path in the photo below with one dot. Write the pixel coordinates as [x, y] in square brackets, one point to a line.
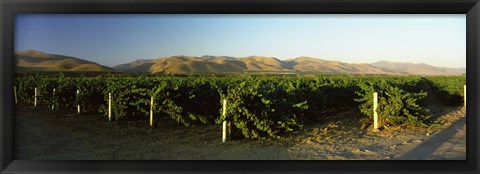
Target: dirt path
[45, 135]
[444, 142]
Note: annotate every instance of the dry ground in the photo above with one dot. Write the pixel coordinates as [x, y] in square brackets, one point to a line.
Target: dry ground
[42, 134]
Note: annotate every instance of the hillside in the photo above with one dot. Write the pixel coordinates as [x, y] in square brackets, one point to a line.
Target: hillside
[212, 64]
[136, 66]
[32, 60]
[418, 69]
[223, 64]
[307, 64]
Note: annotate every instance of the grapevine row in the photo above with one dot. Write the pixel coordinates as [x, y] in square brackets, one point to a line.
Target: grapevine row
[259, 107]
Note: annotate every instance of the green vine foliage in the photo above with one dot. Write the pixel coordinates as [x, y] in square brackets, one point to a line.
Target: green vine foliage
[396, 106]
[25, 89]
[187, 100]
[258, 107]
[449, 89]
[262, 108]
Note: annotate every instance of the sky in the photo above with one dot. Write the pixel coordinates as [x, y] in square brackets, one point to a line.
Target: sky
[112, 39]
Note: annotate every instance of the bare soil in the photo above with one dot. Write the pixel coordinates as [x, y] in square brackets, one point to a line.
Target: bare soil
[42, 134]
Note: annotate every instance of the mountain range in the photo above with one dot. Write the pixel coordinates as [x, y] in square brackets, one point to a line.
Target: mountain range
[32, 60]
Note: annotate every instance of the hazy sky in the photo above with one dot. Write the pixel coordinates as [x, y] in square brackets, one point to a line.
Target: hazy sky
[439, 40]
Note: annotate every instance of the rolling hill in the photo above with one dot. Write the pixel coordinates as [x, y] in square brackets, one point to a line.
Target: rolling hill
[222, 64]
[137, 66]
[308, 64]
[32, 60]
[418, 69]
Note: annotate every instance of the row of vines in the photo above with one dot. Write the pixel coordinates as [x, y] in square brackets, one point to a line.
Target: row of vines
[259, 107]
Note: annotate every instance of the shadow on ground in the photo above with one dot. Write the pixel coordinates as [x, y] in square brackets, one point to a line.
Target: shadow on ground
[439, 144]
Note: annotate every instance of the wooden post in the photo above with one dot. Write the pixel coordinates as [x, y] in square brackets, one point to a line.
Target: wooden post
[151, 111]
[53, 101]
[224, 129]
[109, 106]
[464, 95]
[35, 102]
[78, 106]
[15, 93]
[375, 114]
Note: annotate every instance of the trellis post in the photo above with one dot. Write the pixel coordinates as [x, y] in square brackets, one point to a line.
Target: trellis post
[53, 99]
[78, 105]
[109, 106]
[35, 102]
[375, 114]
[151, 111]
[464, 95]
[224, 128]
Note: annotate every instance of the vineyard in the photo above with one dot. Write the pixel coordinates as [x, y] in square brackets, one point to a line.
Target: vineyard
[257, 107]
